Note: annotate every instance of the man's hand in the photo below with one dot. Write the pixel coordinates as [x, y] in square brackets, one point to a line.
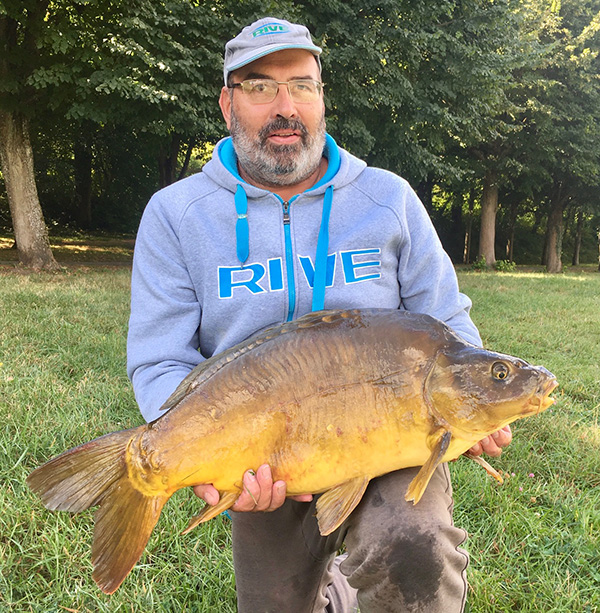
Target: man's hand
[493, 444]
[259, 493]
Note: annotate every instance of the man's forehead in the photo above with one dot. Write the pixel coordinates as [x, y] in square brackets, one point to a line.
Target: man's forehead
[298, 62]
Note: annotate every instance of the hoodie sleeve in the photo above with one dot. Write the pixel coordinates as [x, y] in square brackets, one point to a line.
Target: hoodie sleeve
[427, 278]
[162, 343]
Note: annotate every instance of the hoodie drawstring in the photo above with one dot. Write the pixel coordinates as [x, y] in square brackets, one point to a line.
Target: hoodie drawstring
[320, 277]
[242, 232]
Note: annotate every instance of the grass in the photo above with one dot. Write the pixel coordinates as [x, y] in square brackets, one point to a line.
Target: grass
[534, 542]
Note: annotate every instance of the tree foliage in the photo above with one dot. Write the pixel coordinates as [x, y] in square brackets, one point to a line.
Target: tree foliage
[465, 98]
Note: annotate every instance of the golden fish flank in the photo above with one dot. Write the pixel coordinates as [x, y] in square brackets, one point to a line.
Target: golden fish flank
[330, 401]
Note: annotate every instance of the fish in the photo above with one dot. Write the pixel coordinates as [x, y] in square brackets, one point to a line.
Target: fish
[330, 401]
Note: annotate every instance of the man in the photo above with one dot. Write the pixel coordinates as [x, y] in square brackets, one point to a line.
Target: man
[281, 222]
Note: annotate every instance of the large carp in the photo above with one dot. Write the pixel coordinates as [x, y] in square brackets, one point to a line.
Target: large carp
[330, 401]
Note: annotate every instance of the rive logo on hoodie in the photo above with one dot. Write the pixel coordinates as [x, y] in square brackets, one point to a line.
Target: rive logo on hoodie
[257, 278]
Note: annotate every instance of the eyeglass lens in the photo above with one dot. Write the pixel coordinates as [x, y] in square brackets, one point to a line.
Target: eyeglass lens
[262, 91]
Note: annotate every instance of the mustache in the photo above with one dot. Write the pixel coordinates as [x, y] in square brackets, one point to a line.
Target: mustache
[281, 124]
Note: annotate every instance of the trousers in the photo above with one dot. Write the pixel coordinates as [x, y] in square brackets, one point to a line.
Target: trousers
[398, 557]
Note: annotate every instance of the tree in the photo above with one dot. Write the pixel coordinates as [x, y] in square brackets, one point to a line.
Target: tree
[18, 48]
[148, 66]
[561, 135]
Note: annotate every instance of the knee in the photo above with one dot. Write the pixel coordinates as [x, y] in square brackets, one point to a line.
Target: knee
[415, 569]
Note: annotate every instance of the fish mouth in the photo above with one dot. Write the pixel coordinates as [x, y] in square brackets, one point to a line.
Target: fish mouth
[541, 399]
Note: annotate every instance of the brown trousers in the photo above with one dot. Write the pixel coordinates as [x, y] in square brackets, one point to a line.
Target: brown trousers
[400, 557]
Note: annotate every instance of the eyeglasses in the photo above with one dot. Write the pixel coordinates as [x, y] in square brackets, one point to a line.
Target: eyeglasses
[263, 91]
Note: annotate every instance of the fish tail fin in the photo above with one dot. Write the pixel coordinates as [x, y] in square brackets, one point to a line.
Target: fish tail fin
[96, 474]
[121, 532]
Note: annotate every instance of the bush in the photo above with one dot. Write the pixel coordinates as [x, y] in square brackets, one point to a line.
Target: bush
[480, 264]
[505, 266]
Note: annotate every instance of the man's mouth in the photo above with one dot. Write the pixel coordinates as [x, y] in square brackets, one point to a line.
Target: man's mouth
[285, 137]
[283, 132]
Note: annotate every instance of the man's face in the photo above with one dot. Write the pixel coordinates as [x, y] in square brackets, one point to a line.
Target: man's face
[281, 142]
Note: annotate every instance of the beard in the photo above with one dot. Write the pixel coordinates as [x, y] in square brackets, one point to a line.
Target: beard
[278, 165]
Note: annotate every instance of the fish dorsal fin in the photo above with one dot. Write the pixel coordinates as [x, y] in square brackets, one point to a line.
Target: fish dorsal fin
[335, 505]
[209, 367]
[417, 486]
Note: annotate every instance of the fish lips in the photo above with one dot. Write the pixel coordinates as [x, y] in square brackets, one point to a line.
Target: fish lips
[541, 400]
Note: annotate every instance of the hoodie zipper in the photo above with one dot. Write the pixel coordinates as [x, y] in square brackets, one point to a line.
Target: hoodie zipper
[289, 260]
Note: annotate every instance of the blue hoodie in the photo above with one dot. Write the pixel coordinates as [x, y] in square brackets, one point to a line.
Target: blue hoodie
[217, 259]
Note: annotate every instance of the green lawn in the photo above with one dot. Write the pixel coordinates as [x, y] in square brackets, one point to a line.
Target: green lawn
[534, 542]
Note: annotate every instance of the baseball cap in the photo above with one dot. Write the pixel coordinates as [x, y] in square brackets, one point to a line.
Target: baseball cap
[265, 36]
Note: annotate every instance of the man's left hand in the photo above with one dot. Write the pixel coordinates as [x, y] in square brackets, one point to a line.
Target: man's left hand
[493, 444]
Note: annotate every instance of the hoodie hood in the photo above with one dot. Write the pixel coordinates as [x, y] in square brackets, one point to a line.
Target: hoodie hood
[342, 168]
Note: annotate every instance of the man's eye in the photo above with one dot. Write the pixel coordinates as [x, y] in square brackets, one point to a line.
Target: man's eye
[303, 86]
[258, 86]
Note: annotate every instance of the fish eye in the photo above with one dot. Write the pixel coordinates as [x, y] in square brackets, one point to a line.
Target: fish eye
[500, 370]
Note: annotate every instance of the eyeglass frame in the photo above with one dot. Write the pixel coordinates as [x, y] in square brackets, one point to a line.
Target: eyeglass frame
[240, 84]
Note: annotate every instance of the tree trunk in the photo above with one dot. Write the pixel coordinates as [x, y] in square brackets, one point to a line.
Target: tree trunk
[578, 237]
[167, 161]
[82, 166]
[554, 233]
[510, 247]
[469, 231]
[188, 157]
[489, 208]
[425, 192]
[16, 158]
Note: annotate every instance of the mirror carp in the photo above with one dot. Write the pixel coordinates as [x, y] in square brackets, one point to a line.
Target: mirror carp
[330, 401]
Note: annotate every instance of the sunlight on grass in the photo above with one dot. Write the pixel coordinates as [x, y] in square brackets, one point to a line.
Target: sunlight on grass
[78, 249]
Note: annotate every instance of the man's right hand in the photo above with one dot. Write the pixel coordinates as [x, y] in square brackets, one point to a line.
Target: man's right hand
[259, 492]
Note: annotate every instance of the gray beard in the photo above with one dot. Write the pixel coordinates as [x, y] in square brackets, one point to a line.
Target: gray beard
[278, 165]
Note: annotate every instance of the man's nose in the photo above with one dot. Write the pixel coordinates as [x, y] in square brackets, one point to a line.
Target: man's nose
[283, 105]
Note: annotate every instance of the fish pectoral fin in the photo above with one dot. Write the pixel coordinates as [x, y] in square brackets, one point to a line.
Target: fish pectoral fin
[209, 511]
[488, 467]
[419, 483]
[336, 504]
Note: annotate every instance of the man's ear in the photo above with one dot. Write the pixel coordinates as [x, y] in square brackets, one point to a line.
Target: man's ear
[225, 104]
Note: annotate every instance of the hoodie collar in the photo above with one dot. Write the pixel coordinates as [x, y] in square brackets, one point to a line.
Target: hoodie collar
[228, 157]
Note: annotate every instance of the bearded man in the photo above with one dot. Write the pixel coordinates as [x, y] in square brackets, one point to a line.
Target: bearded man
[280, 222]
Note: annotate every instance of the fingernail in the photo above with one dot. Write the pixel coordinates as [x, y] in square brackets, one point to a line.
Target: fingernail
[251, 473]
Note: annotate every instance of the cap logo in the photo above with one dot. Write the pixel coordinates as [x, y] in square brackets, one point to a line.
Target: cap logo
[270, 28]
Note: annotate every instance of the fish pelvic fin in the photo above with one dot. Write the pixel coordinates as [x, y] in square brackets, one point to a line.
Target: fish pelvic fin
[208, 512]
[488, 467]
[417, 486]
[336, 504]
[96, 474]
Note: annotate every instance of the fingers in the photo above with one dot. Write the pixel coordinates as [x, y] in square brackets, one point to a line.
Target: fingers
[493, 444]
[302, 498]
[208, 493]
[259, 493]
